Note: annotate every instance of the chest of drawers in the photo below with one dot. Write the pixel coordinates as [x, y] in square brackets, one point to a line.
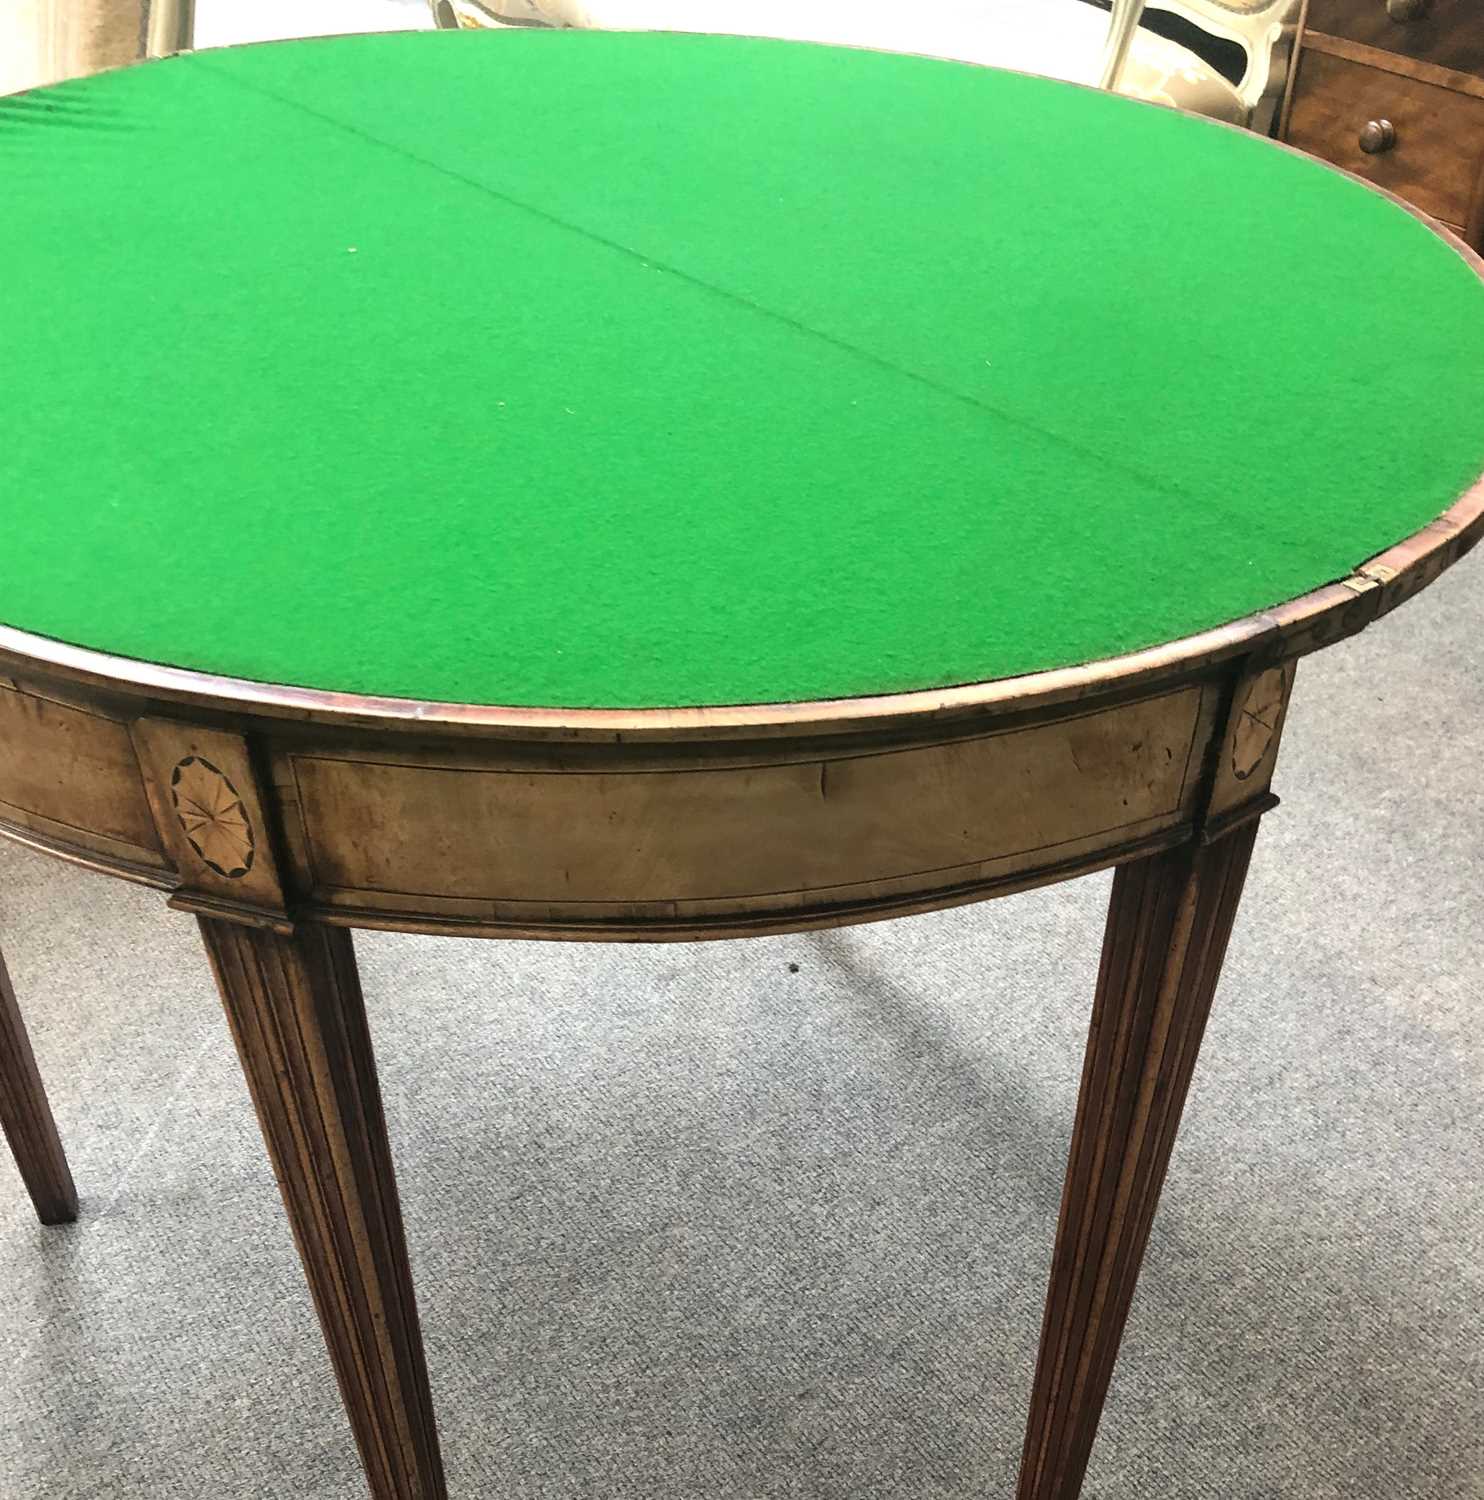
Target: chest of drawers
[1394, 90]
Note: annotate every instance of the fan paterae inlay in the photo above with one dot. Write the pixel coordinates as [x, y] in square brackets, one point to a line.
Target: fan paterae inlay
[213, 817]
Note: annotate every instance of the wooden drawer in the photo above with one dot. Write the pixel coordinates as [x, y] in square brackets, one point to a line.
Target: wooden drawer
[1447, 32]
[1439, 150]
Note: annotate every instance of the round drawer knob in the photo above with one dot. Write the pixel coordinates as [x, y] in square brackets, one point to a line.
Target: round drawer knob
[1378, 136]
[1407, 10]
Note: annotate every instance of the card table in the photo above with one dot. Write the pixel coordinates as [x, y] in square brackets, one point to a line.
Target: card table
[638, 487]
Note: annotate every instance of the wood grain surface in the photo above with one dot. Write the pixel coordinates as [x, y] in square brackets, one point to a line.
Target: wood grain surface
[659, 842]
[1168, 924]
[1439, 150]
[1449, 33]
[27, 1118]
[295, 1009]
[69, 776]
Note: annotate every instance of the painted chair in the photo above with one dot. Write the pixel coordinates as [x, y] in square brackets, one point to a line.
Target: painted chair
[1141, 50]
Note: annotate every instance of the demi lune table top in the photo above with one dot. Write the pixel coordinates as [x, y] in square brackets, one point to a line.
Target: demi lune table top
[583, 370]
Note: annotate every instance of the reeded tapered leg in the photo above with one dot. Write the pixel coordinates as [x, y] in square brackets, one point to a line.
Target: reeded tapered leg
[294, 1004]
[1168, 925]
[27, 1118]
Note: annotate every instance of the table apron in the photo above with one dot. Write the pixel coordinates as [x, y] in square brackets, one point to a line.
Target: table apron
[653, 840]
[767, 837]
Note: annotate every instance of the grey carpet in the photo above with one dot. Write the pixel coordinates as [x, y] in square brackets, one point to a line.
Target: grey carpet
[689, 1224]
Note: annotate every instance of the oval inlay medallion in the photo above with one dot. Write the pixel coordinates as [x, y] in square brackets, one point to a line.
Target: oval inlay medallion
[213, 817]
[1257, 722]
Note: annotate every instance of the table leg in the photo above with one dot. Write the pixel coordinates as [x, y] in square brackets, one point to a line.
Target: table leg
[1168, 925]
[294, 1004]
[27, 1117]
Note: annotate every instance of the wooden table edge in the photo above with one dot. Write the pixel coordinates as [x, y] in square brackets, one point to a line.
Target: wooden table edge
[1293, 628]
